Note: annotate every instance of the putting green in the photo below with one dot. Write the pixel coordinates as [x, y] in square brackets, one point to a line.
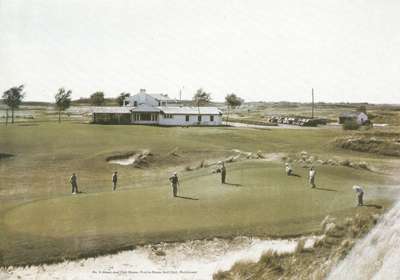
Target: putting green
[258, 199]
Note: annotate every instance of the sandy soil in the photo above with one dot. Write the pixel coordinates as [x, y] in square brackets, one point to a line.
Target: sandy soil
[193, 260]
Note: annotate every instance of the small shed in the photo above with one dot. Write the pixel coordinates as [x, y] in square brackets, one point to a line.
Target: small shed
[360, 117]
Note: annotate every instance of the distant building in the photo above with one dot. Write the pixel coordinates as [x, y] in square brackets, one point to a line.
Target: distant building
[176, 116]
[156, 109]
[360, 117]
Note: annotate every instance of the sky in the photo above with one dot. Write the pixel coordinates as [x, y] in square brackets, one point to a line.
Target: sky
[261, 50]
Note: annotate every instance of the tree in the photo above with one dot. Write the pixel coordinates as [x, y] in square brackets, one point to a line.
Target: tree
[121, 98]
[63, 101]
[232, 101]
[13, 98]
[350, 125]
[201, 98]
[97, 98]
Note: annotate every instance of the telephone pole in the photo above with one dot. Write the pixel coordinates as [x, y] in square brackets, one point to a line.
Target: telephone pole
[312, 105]
[180, 93]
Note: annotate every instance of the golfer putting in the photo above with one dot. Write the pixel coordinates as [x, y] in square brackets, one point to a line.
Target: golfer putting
[288, 169]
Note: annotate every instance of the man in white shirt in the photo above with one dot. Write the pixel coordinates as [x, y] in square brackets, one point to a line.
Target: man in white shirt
[288, 169]
[311, 177]
[360, 195]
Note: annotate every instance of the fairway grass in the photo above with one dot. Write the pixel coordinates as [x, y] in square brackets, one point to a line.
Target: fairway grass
[40, 221]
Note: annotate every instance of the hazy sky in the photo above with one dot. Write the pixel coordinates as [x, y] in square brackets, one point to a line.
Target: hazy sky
[348, 50]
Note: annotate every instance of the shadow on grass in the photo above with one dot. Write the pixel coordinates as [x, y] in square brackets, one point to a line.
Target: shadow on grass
[80, 192]
[186, 197]
[232, 184]
[325, 189]
[373, 205]
[294, 174]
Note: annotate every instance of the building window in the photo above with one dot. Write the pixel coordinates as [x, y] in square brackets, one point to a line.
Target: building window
[135, 103]
[199, 118]
[187, 118]
[211, 118]
[168, 116]
[154, 117]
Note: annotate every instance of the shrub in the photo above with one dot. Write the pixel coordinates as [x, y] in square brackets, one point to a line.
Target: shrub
[351, 125]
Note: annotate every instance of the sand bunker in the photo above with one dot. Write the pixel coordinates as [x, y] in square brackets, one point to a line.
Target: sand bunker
[197, 259]
[137, 159]
[123, 161]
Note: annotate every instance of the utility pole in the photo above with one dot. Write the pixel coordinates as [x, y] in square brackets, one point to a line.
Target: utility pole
[312, 105]
[180, 93]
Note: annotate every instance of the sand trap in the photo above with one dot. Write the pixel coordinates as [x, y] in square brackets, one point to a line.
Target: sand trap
[192, 260]
[137, 158]
[124, 161]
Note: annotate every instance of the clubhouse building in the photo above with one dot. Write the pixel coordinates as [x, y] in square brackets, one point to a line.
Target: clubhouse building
[157, 109]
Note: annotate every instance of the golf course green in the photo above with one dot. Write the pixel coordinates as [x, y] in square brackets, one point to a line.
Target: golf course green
[258, 198]
[42, 222]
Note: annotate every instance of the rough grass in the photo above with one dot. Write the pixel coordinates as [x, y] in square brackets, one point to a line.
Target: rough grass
[383, 146]
[337, 241]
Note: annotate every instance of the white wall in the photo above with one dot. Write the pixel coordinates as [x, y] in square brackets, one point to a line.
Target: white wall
[142, 98]
[180, 120]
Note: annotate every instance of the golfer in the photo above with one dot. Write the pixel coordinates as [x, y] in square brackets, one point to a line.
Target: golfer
[74, 183]
[360, 195]
[223, 172]
[288, 169]
[311, 177]
[174, 184]
[114, 180]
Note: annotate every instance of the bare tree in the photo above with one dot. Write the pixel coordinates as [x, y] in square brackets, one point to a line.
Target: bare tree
[13, 98]
[63, 101]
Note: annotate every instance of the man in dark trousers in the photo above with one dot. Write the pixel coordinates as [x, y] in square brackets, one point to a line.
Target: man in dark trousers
[360, 195]
[114, 180]
[223, 173]
[174, 184]
[74, 183]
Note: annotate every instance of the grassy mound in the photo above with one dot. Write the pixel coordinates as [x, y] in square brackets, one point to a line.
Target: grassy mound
[5, 155]
[384, 146]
